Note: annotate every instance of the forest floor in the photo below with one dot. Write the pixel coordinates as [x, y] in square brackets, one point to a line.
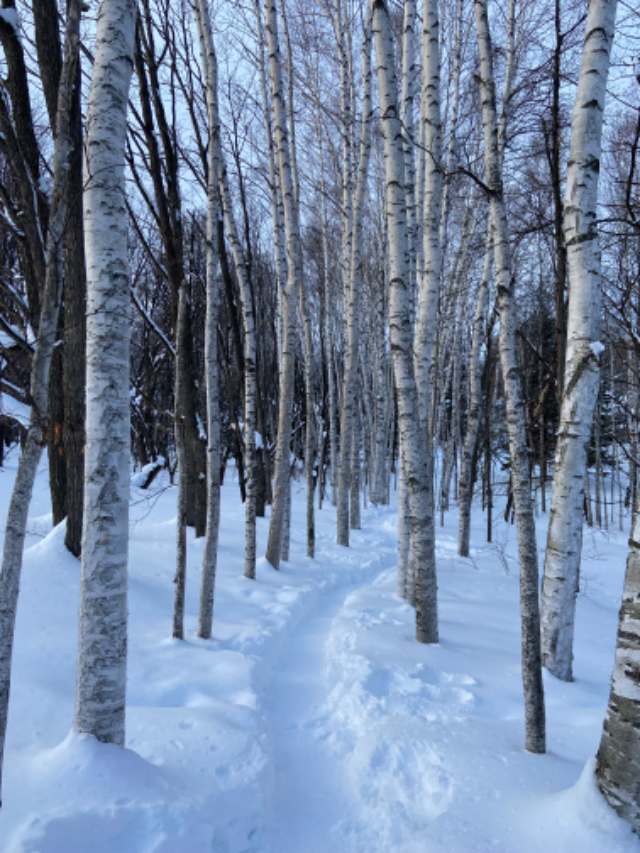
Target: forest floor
[312, 722]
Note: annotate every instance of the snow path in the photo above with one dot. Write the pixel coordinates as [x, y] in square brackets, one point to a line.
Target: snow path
[307, 797]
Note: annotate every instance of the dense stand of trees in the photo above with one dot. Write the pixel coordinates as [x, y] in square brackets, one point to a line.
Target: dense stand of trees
[389, 244]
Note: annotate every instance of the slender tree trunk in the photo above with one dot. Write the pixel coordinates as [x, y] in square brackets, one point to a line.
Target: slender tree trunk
[354, 223]
[309, 444]
[554, 154]
[582, 372]
[180, 578]
[40, 369]
[55, 434]
[102, 645]
[527, 548]
[379, 478]
[475, 402]
[331, 382]
[406, 580]
[294, 273]
[75, 286]
[355, 518]
[215, 184]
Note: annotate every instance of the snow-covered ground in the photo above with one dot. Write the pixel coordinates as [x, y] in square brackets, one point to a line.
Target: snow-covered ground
[312, 722]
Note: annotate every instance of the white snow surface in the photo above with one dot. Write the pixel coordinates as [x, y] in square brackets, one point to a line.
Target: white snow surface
[312, 722]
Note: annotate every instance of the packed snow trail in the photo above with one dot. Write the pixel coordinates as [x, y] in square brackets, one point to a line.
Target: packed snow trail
[308, 799]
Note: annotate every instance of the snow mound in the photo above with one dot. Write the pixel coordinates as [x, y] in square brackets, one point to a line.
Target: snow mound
[100, 797]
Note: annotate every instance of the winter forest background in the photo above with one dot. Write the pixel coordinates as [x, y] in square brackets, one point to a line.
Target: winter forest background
[347, 289]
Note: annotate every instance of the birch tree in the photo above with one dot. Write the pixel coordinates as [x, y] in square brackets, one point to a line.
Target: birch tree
[51, 300]
[102, 645]
[475, 373]
[291, 290]
[214, 177]
[619, 753]
[353, 248]
[582, 369]
[527, 548]
[412, 432]
[475, 402]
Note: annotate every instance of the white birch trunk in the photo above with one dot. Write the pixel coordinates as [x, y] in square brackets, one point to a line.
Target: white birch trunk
[427, 315]
[333, 409]
[618, 767]
[39, 385]
[102, 645]
[406, 581]
[355, 516]
[453, 123]
[432, 200]
[354, 223]
[407, 109]
[309, 446]
[210, 551]
[413, 434]
[465, 481]
[277, 212]
[294, 272]
[352, 330]
[582, 369]
[525, 525]
[250, 388]
[475, 402]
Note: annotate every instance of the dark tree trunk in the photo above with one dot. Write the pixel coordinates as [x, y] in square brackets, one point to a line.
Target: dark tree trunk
[74, 337]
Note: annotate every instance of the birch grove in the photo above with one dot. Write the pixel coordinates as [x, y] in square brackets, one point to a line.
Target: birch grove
[367, 260]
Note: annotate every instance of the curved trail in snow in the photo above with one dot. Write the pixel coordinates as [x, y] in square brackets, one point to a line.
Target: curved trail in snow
[307, 798]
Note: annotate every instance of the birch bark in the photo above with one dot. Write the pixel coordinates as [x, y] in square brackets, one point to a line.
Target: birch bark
[466, 479]
[331, 382]
[475, 402]
[525, 525]
[102, 645]
[354, 223]
[582, 369]
[378, 476]
[294, 271]
[210, 551]
[413, 434]
[619, 753]
[39, 388]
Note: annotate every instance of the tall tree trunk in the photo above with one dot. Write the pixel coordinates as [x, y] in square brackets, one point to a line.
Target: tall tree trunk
[413, 433]
[527, 548]
[354, 222]
[214, 156]
[328, 336]
[294, 272]
[379, 474]
[355, 516]
[40, 369]
[475, 402]
[102, 645]
[582, 371]
[75, 286]
[619, 753]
